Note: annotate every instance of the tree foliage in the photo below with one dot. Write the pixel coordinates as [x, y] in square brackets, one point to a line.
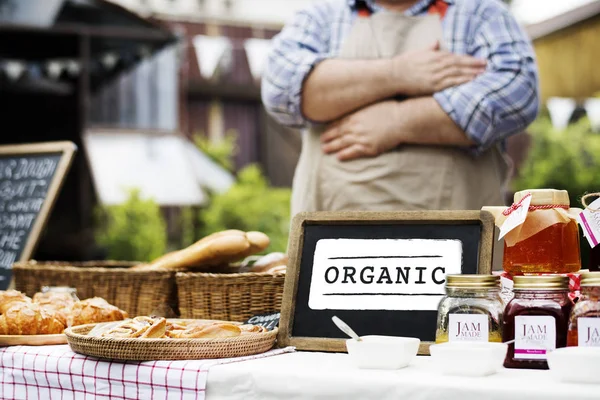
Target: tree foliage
[134, 230]
[251, 204]
[566, 159]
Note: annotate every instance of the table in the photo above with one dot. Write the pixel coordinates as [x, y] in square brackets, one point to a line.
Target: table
[54, 372]
[304, 375]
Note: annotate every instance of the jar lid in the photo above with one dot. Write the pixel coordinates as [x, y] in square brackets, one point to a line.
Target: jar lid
[542, 282]
[542, 197]
[590, 279]
[472, 281]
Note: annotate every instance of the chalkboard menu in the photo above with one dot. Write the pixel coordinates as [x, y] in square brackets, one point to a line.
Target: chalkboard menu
[383, 273]
[30, 178]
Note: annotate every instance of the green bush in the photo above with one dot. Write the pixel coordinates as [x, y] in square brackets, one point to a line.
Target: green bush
[134, 230]
[566, 159]
[250, 205]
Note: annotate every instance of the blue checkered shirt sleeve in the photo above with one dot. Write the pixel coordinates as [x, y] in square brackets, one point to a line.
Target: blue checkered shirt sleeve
[503, 100]
[296, 50]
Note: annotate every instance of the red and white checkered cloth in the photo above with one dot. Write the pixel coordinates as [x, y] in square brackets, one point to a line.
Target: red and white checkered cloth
[55, 372]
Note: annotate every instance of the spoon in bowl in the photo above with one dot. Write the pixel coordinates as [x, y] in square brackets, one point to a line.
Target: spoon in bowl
[345, 328]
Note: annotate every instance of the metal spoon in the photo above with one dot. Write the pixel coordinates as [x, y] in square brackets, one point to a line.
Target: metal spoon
[345, 328]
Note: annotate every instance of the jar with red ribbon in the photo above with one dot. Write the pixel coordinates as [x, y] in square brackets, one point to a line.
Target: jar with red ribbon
[547, 242]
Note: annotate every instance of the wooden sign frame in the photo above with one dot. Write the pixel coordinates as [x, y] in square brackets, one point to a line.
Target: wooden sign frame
[68, 150]
[295, 247]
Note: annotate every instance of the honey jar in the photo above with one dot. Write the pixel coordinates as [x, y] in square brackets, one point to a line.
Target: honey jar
[548, 240]
[584, 322]
[471, 310]
[535, 320]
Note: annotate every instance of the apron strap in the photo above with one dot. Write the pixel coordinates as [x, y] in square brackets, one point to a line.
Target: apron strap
[437, 7]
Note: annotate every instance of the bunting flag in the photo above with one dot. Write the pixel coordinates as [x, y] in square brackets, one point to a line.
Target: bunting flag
[592, 109]
[257, 51]
[561, 109]
[13, 69]
[213, 53]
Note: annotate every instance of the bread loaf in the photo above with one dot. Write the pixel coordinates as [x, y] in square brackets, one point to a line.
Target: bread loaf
[213, 251]
[269, 261]
[94, 310]
[29, 319]
[9, 297]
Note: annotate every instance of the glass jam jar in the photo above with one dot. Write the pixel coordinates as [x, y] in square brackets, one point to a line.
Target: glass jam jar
[553, 250]
[471, 310]
[584, 323]
[536, 319]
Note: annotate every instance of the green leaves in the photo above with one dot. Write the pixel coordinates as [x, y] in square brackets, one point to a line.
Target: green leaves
[566, 159]
[251, 205]
[134, 230]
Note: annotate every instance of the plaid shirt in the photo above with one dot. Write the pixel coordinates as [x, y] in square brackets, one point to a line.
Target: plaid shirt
[500, 102]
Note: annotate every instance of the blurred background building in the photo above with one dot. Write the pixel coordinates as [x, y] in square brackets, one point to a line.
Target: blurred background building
[134, 82]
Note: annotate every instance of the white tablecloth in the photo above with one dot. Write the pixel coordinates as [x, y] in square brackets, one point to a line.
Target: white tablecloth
[305, 375]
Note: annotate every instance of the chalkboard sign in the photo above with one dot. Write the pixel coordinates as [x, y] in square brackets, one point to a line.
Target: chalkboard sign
[269, 321]
[383, 273]
[30, 178]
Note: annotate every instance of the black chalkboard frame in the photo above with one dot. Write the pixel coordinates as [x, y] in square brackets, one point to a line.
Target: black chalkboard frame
[67, 149]
[363, 218]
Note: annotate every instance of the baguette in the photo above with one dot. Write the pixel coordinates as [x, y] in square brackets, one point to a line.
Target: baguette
[258, 241]
[214, 251]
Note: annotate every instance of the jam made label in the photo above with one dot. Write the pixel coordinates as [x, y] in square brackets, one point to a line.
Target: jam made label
[535, 335]
[468, 328]
[588, 332]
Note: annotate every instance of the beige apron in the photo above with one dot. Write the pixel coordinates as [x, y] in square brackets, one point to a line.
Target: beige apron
[410, 177]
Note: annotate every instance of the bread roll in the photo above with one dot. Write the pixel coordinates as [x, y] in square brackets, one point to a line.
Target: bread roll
[9, 297]
[216, 330]
[94, 310]
[269, 261]
[57, 303]
[29, 319]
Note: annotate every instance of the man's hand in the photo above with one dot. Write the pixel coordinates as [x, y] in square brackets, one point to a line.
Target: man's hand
[367, 132]
[424, 72]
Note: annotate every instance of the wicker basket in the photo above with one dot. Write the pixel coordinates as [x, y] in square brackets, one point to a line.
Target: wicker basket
[126, 349]
[137, 292]
[231, 297]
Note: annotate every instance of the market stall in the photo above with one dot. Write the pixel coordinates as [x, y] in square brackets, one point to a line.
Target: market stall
[225, 321]
[54, 372]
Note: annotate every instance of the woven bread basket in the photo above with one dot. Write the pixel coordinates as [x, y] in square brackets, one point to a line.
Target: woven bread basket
[136, 291]
[137, 349]
[230, 297]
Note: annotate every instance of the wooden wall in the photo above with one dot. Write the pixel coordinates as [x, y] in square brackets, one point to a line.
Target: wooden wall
[569, 61]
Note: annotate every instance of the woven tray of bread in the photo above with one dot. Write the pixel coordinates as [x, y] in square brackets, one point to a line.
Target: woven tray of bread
[153, 339]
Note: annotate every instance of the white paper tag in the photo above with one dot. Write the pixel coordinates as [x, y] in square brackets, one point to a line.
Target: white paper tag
[382, 274]
[535, 336]
[588, 332]
[468, 328]
[516, 217]
[590, 223]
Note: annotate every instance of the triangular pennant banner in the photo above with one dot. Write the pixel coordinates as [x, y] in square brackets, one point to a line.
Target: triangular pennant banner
[257, 51]
[14, 69]
[592, 109]
[209, 53]
[561, 109]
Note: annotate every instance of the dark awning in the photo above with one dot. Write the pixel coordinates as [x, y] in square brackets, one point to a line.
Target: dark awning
[49, 38]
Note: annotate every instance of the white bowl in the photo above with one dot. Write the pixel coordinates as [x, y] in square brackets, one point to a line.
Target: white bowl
[382, 352]
[469, 358]
[575, 364]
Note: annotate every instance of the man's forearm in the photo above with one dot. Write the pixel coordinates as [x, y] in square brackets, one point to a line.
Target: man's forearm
[337, 87]
[423, 121]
